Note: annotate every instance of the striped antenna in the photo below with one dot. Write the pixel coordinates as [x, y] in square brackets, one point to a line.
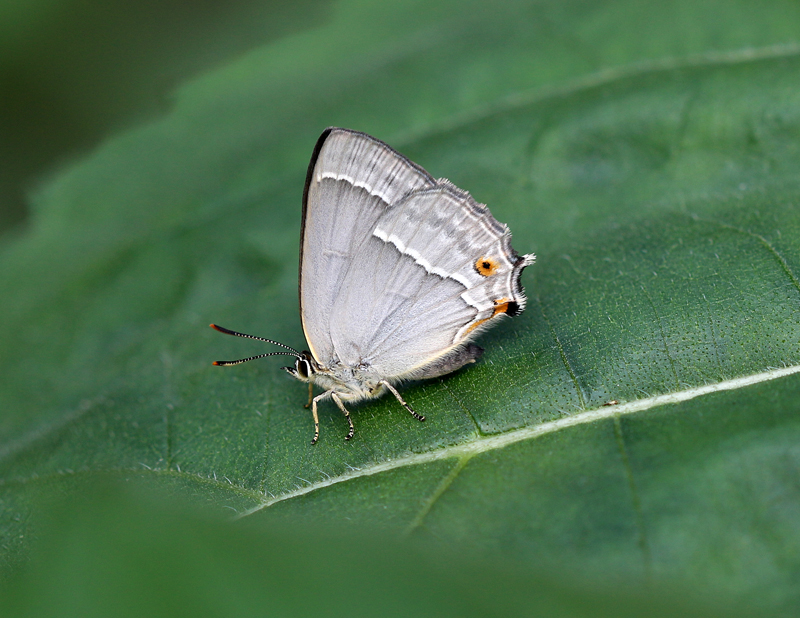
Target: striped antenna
[244, 360]
[292, 351]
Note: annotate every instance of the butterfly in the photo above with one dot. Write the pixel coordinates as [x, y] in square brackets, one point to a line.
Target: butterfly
[399, 272]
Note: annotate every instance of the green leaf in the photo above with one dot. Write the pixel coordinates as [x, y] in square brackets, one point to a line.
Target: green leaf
[648, 155]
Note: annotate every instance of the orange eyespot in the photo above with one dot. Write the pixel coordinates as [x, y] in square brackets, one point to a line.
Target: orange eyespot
[507, 306]
[486, 266]
[501, 305]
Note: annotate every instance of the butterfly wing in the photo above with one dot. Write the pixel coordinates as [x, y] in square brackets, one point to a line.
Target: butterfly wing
[353, 179]
[434, 270]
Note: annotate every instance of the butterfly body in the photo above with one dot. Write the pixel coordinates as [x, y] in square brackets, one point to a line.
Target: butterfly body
[350, 383]
[399, 272]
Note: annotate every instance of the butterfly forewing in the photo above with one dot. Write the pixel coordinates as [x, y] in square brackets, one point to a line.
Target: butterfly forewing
[352, 180]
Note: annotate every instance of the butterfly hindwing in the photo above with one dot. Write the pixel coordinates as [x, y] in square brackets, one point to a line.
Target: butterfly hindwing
[437, 268]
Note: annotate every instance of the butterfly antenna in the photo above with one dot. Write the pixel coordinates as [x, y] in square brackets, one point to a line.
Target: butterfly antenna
[244, 360]
[235, 334]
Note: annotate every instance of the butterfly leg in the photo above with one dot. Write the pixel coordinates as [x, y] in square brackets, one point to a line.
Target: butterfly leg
[310, 394]
[314, 412]
[394, 392]
[339, 403]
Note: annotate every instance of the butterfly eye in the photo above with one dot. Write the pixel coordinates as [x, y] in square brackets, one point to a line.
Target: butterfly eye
[302, 368]
[486, 266]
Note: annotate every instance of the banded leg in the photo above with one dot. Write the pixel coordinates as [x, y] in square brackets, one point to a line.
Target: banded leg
[314, 412]
[394, 392]
[339, 403]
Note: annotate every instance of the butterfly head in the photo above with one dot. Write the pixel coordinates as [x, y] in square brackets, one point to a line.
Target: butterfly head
[305, 366]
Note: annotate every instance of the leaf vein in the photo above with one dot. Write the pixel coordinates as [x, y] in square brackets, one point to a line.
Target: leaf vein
[598, 79]
[713, 333]
[663, 338]
[443, 486]
[265, 469]
[635, 499]
[11, 449]
[460, 403]
[563, 354]
[764, 242]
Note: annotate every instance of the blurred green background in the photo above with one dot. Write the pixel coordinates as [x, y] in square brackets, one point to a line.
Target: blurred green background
[75, 71]
[153, 163]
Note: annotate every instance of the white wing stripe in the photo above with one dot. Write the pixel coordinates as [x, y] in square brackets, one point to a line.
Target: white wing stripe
[415, 255]
[356, 183]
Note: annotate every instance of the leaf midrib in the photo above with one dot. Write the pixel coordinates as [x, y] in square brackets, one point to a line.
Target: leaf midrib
[482, 444]
[462, 452]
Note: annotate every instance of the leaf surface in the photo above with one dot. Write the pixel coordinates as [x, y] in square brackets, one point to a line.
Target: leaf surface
[649, 156]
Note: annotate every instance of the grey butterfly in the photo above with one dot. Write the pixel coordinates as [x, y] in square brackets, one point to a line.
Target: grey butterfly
[398, 273]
